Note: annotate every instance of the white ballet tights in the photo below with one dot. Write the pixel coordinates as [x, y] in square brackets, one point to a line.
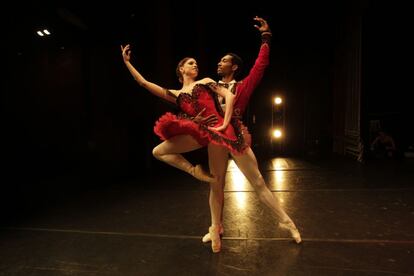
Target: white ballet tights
[247, 164]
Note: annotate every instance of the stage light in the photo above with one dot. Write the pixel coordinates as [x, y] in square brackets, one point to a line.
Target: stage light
[43, 33]
[278, 122]
[277, 133]
[278, 100]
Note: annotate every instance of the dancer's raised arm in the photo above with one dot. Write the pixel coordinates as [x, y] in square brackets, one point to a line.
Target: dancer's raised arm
[150, 86]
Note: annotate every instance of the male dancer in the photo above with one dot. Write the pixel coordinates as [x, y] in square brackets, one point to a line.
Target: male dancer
[228, 68]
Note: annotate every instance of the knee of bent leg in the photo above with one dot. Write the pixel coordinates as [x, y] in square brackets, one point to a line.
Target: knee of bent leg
[157, 152]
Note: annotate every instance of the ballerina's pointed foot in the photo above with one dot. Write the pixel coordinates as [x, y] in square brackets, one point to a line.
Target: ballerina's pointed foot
[206, 238]
[200, 174]
[294, 232]
[214, 232]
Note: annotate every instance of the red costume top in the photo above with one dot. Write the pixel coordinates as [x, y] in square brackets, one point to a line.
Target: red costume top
[169, 125]
[245, 87]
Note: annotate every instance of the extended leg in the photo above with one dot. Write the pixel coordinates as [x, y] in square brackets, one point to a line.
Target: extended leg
[247, 164]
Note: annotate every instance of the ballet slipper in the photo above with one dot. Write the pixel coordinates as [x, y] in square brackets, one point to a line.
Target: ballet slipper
[206, 238]
[214, 232]
[294, 232]
[201, 175]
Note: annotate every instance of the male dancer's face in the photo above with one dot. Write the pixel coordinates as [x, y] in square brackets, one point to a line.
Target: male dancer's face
[225, 66]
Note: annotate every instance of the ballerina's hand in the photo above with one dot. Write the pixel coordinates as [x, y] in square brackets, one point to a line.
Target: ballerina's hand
[126, 52]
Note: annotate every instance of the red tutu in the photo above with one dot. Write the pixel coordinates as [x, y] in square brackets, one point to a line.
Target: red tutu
[170, 125]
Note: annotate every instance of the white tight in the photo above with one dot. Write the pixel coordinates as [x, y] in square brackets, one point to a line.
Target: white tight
[247, 164]
[170, 151]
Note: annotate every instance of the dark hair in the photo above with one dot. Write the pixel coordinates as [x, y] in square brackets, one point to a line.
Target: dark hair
[235, 59]
[179, 65]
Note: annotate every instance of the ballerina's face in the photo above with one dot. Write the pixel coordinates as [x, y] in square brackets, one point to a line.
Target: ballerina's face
[190, 68]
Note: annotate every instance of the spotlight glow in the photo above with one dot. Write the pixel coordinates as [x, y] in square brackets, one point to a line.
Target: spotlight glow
[277, 133]
[239, 184]
[278, 100]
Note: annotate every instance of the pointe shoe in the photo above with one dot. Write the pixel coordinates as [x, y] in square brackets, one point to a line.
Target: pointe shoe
[294, 232]
[215, 238]
[206, 238]
[200, 174]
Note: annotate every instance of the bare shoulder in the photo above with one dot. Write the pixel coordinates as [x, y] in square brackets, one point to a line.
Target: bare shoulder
[174, 92]
[206, 80]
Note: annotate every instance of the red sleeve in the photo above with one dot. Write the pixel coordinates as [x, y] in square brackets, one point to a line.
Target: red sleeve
[246, 87]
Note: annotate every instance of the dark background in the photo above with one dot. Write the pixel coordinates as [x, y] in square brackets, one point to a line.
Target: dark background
[70, 107]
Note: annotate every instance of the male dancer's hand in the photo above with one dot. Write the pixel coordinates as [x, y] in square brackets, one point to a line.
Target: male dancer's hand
[218, 128]
[264, 27]
[210, 120]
